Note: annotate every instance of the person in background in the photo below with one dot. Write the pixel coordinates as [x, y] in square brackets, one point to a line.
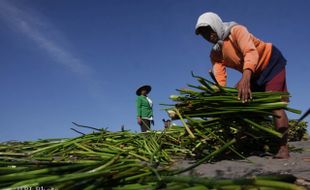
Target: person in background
[168, 123]
[144, 107]
[262, 65]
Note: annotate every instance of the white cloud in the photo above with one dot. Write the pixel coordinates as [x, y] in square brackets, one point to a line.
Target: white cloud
[35, 27]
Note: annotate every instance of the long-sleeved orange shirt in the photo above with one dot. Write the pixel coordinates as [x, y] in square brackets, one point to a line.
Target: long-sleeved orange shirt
[240, 51]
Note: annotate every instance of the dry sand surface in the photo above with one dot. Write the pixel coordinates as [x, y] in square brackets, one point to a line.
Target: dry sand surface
[298, 165]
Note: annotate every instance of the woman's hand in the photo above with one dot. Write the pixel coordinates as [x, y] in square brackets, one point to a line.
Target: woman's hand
[139, 120]
[244, 86]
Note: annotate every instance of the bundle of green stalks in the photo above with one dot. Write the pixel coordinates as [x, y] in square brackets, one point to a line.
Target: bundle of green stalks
[214, 116]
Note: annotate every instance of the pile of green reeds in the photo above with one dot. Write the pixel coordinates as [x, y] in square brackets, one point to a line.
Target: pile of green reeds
[102, 159]
[213, 116]
[113, 160]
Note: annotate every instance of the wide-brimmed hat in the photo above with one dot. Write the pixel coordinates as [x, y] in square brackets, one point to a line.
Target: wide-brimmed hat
[148, 89]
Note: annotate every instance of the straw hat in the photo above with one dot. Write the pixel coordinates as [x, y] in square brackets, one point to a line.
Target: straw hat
[148, 89]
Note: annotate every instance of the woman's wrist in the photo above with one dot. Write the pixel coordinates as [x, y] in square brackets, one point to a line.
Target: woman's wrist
[247, 73]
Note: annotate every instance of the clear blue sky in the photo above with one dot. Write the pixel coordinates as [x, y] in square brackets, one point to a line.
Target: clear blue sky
[82, 60]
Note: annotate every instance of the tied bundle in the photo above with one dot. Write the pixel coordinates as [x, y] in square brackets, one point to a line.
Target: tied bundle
[214, 117]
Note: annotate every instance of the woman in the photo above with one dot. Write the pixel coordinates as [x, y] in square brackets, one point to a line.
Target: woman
[261, 64]
[144, 108]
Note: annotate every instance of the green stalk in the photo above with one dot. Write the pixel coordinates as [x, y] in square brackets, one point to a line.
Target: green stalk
[55, 179]
[35, 173]
[135, 186]
[82, 147]
[293, 110]
[112, 161]
[185, 125]
[196, 187]
[268, 130]
[130, 153]
[139, 176]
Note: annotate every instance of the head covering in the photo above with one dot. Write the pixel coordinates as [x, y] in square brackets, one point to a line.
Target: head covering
[148, 89]
[221, 28]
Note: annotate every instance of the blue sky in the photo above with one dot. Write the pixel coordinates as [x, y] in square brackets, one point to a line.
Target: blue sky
[81, 61]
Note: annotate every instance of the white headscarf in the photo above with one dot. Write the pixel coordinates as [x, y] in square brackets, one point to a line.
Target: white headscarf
[221, 28]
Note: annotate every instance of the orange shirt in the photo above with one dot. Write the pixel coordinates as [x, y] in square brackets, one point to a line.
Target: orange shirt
[240, 51]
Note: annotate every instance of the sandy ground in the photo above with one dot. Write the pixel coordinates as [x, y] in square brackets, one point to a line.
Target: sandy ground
[298, 165]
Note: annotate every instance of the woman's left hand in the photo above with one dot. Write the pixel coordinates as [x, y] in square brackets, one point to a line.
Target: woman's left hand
[244, 86]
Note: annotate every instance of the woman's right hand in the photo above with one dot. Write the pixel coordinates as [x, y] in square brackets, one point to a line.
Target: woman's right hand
[244, 86]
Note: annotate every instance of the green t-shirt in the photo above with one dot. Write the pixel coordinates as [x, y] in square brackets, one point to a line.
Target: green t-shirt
[144, 109]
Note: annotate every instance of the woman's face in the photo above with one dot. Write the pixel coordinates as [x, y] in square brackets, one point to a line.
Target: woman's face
[143, 92]
[208, 34]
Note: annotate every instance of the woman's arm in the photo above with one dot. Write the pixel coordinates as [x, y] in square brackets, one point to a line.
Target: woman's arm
[220, 74]
[250, 60]
[219, 69]
[139, 110]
